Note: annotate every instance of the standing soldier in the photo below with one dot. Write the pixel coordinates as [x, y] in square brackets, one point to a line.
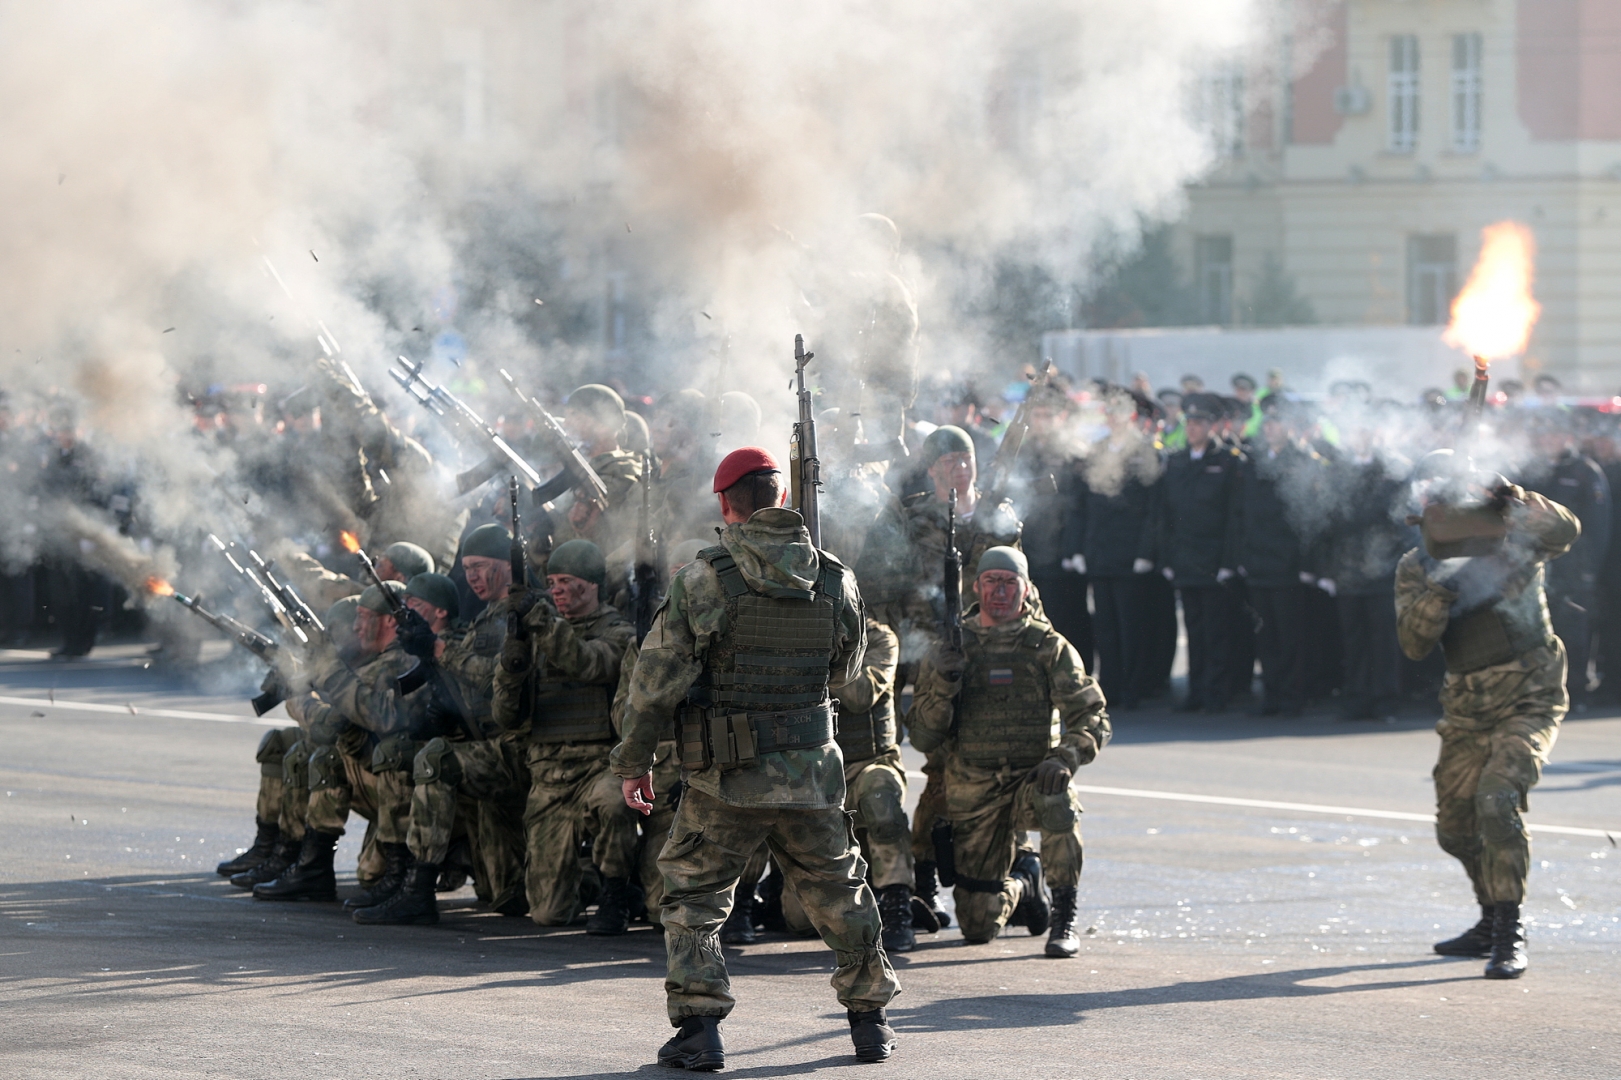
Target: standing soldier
[1476, 588]
[1017, 714]
[1196, 540]
[742, 654]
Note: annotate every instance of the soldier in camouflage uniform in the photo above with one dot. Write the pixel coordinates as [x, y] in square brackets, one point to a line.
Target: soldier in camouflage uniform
[347, 713]
[1476, 587]
[453, 766]
[1017, 714]
[595, 415]
[554, 695]
[287, 752]
[875, 788]
[900, 570]
[741, 656]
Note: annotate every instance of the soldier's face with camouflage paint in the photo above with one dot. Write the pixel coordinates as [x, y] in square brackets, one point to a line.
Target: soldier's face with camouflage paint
[953, 471]
[1001, 596]
[574, 597]
[488, 578]
[374, 631]
[436, 617]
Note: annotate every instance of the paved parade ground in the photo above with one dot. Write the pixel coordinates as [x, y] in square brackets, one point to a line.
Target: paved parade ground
[1225, 935]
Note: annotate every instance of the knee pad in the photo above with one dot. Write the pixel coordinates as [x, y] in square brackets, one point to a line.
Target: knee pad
[1497, 811]
[326, 769]
[394, 753]
[1465, 848]
[295, 763]
[436, 763]
[274, 745]
[883, 816]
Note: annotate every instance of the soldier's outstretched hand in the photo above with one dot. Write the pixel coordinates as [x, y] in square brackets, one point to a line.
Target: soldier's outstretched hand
[639, 793]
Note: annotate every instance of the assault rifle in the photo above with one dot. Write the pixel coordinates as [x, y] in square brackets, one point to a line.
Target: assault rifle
[250, 639]
[649, 572]
[1000, 473]
[466, 426]
[520, 565]
[804, 467]
[577, 471]
[278, 608]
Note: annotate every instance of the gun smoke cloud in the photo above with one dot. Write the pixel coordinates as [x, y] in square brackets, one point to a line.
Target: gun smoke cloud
[496, 169]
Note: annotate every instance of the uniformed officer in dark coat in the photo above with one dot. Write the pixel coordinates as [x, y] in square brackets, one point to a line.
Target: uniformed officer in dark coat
[1196, 548]
[1575, 481]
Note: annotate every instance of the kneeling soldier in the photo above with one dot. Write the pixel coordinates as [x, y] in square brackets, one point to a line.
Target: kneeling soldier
[1017, 715]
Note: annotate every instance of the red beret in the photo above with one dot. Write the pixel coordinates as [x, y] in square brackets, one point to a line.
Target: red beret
[742, 461]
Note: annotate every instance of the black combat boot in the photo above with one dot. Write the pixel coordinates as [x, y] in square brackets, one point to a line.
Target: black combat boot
[311, 877]
[1033, 912]
[895, 907]
[414, 905]
[1475, 941]
[738, 929]
[870, 1031]
[264, 842]
[926, 913]
[283, 855]
[1508, 959]
[696, 1045]
[1061, 940]
[612, 916]
[396, 861]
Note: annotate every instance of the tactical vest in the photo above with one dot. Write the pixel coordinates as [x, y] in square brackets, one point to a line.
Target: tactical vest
[1500, 631]
[1005, 711]
[764, 683]
[568, 712]
[866, 735]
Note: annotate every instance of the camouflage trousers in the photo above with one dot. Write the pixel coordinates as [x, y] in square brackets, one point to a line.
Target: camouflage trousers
[572, 796]
[991, 810]
[446, 776]
[391, 764]
[875, 794]
[655, 827]
[271, 758]
[339, 784]
[1497, 729]
[709, 846]
[931, 807]
[295, 789]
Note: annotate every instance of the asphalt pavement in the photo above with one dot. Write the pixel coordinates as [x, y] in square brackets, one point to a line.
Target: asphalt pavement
[1259, 900]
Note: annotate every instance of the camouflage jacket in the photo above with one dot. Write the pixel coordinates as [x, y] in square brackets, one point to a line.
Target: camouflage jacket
[903, 561]
[364, 695]
[621, 472]
[1077, 702]
[471, 658]
[868, 699]
[589, 649]
[1430, 592]
[774, 552]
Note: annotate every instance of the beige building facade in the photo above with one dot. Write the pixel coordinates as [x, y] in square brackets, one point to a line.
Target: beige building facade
[1400, 128]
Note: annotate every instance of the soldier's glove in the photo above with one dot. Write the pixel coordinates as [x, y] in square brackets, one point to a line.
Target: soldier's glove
[950, 663]
[415, 636]
[1051, 776]
[522, 601]
[515, 655]
[1088, 750]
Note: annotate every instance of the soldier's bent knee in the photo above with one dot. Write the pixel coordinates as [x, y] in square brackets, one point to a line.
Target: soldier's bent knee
[326, 769]
[883, 816]
[1497, 812]
[273, 748]
[437, 763]
[394, 753]
[295, 762]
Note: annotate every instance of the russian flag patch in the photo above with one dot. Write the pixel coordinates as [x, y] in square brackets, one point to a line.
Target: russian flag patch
[1002, 676]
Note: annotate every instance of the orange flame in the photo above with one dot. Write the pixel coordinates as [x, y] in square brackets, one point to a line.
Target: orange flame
[158, 587]
[350, 542]
[1493, 315]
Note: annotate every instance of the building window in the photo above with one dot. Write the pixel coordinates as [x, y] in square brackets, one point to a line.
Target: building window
[1466, 83]
[1221, 109]
[1432, 278]
[1403, 89]
[1213, 273]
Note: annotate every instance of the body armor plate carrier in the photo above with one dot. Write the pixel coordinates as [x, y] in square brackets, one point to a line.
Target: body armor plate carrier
[764, 684]
[569, 712]
[1005, 715]
[1499, 632]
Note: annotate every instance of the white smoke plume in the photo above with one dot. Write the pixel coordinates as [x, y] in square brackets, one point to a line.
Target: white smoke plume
[409, 168]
